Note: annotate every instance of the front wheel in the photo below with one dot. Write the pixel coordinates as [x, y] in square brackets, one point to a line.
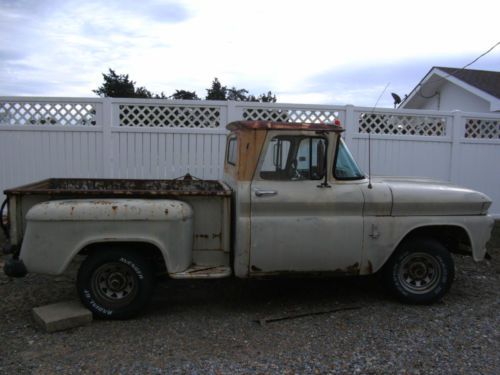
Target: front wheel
[420, 272]
[114, 283]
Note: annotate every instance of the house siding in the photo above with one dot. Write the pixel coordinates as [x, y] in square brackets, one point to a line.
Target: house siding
[452, 97]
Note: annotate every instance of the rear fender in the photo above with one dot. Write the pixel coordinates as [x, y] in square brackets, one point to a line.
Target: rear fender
[59, 230]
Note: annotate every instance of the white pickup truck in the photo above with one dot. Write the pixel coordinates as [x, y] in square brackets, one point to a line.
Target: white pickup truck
[293, 201]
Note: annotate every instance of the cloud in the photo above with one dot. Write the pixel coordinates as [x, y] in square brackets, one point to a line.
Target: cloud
[57, 40]
[361, 84]
[29, 87]
[11, 55]
[169, 12]
[316, 52]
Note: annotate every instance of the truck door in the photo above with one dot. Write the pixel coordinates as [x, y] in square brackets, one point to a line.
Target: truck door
[298, 225]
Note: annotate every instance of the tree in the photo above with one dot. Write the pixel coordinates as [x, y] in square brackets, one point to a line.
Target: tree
[121, 86]
[217, 91]
[239, 95]
[263, 98]
[184, 95]
[142, 92]
[267, 98]
[116, 85]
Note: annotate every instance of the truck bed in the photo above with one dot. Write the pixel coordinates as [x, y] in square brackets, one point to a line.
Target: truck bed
[210, 200]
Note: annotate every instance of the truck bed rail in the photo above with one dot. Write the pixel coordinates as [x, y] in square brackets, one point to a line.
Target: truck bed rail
[122, 187]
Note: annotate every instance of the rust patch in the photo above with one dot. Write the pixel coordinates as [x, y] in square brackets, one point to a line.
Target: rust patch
[370, 267]
[114, 208]
[204, 269]
[352, 270]
[274, 125]
[247, 159]
[208, 236]
[123, 187]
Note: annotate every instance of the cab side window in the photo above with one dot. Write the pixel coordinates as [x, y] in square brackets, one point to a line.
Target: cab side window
[231, 151]
[294, 158]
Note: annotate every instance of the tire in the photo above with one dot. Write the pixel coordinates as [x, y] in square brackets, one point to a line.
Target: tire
[421, 271]
[115, 284]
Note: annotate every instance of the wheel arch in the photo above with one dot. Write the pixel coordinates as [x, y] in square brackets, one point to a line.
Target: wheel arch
[455, 238]
[149, 249]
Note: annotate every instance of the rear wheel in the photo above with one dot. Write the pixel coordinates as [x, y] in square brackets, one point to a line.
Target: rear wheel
[114, 283]
[421, 271]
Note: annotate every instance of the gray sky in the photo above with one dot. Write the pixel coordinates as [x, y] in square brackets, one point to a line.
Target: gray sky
[323, 52]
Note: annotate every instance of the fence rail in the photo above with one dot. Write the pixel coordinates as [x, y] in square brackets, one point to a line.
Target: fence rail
[144, 138]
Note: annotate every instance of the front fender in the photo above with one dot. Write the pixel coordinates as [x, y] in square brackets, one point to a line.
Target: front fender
[57, 231]
[383, 235]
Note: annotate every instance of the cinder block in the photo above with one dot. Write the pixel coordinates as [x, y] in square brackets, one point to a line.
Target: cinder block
[61, 316]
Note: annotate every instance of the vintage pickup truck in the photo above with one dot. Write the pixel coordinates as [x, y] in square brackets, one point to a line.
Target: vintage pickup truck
[293, 202]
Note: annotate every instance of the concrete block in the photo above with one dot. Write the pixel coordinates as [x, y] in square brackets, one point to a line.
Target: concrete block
[61, 316]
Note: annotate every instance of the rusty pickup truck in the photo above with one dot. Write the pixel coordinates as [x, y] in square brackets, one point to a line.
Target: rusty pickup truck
[293, 202]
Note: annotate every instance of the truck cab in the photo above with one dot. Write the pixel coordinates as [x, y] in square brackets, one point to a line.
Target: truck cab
[291, 207]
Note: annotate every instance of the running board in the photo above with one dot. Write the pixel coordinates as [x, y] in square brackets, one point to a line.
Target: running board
[203, 272]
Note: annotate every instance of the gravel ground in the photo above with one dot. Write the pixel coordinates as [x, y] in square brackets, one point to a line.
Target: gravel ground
[212, 327]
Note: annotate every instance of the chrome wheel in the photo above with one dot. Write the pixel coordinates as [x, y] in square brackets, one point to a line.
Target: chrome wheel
[114, 283]
[419, 273]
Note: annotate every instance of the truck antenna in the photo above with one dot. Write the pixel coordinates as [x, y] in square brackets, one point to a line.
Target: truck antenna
[372, 112]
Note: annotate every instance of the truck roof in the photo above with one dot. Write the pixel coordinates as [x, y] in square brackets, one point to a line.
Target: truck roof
[274, 125]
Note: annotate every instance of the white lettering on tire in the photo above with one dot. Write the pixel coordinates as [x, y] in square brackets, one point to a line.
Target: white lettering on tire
[94, 305]
[134, 267]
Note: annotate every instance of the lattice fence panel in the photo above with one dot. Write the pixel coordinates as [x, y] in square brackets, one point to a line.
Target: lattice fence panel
[291, 115]
[378, 123]
[169, 116]
[481, 128]
[24, 113]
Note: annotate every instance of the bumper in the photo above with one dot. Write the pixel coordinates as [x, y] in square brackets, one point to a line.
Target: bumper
[15, 268]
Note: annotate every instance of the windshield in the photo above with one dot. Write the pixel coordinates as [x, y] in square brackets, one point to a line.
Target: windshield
[345, 166]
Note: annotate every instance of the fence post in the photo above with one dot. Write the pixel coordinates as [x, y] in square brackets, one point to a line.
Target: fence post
[233, 113]
[350, 126]
[107, 139]
[458, 129]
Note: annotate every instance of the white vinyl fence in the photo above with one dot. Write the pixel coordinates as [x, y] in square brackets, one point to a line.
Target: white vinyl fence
[136, 138]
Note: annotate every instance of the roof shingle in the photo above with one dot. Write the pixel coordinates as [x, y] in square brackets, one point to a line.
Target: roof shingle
[485, 80]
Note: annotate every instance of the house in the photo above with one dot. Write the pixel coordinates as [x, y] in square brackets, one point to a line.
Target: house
[447, 89]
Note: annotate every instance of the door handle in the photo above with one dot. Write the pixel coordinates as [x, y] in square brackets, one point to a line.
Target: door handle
[265, 193]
